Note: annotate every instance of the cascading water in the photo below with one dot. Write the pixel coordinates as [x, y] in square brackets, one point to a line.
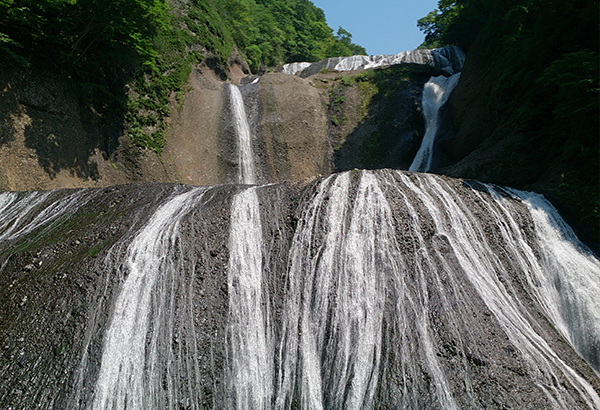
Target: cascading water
[15, 211]
[247, 168]
[376, 289]
[435, 94]
[133, 344]
[332, 344]
[484, 268]
[565, 280]
[373, 299]
[436, 91]
[367, 289]
[251, 361]
[448, 59]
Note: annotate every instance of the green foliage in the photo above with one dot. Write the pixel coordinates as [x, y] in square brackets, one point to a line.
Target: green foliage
[348, 80]
[106, 45]
[435, 24]
[545, 55]
[572, 80]
[539, 61]
[273, 32]
[343, 45]
[85, 37]
[100, 45]
[454, 22]
[162, 76]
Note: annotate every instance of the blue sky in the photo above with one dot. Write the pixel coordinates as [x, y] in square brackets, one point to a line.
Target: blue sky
[380, 26]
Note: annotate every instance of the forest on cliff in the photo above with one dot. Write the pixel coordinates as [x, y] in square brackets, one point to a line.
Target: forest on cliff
[151, 45]
[530, 84]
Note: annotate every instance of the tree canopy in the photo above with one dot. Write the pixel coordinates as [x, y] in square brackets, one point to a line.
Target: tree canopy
[546, 54]
[88, 35]
[96, 35]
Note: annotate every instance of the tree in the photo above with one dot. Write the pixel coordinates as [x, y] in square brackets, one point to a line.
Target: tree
[80, 35]
[435, 24]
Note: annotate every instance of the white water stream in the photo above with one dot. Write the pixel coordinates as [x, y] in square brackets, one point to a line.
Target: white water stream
[20, 214]
[250, 338]
[476, 258]
[251, 362]
[448, 59]
[350, 279]
[128, 378]
[396, 289]
[247, 168]
[435, 94]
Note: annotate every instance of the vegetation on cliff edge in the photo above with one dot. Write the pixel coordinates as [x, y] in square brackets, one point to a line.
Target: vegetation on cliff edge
[539, 63]
[150, 45]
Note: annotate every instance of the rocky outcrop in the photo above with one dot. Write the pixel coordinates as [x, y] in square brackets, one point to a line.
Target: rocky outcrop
[50, 138]
[302, 128]
[438, 282]
[293, 126]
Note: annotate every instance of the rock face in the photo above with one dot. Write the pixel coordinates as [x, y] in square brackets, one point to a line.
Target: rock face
[301, 127]
[294, 128]
[362, 289]
[371, 289]
[48, 139]
[195, 138]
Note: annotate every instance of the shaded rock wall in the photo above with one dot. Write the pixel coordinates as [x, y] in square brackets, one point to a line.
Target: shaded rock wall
[50, 138]
[506, 131]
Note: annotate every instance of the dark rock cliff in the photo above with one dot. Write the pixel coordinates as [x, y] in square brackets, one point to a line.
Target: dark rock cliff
[506, 111]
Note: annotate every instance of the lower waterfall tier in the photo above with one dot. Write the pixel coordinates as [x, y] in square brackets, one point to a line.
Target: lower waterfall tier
[366, 289]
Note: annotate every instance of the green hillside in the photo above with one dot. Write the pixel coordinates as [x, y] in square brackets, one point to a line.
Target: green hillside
[151, 46]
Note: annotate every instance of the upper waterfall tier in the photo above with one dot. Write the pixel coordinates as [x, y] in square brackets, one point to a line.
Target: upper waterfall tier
[448, 59]
[247, 169]
[435, 94]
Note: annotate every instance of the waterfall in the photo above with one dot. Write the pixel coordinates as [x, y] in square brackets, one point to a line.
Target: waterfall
[369, 298]
[20, 214]
[566, 278]
[251, 361]
[474, 253]
[448, 59]
[337, 298]
[435, 94]
[357, 287]
[247, 170]
[249, 335]
[365, 289]
[134, 344]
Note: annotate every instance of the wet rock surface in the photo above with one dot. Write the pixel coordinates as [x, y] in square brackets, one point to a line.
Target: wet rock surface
[440, 338]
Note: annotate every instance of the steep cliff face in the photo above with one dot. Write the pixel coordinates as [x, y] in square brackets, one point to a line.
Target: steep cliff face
[365, 289]
[525, 109]
[50, 138]
[301, 128]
